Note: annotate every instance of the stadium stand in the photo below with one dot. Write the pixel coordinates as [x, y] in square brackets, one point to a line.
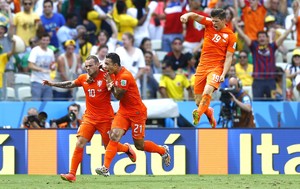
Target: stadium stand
[156, 44]
[80, 95]
[24, 93]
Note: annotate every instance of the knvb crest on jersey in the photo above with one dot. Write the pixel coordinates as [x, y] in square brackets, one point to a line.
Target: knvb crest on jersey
[99, 83]
[225, 36]
[123, 82]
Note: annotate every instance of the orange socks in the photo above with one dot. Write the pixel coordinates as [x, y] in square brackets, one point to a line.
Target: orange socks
[110, 153]
[205, 101]
[122, 148]
[150, 146]
[76, 159]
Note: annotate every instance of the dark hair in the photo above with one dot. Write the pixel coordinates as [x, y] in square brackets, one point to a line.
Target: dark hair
[45, 34]
[121, 6]
[69, 16]
[114, 57]
[243, 51]
[93, 57]
[48, 1]
[101, 47]
[139, 5]
[262, 32]
[177, 38]
[144, 40]
[74, 104]
[219, 13]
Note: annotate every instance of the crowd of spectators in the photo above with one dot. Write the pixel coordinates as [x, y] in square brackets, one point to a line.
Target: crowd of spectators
[60, 34]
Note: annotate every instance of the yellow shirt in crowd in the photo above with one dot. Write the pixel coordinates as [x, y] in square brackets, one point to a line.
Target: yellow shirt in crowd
[175, 87]
[3, 62]
[244, 75]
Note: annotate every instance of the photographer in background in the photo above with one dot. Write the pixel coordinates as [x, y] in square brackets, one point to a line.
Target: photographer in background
[35, 120]
[70, 120]
[241, 105]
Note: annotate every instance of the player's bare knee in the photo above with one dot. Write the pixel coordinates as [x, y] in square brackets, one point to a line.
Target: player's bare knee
[81, 142]
[115, 135]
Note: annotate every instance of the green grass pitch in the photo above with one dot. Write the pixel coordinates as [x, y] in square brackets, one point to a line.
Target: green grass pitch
[153, 182]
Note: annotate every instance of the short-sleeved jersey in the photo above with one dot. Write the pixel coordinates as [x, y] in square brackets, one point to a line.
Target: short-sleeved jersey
[175, 87]
[98, 106]
[216, 44]
[131, 103]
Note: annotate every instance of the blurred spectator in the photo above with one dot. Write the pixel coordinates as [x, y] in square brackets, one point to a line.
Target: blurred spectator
[104, 39]
[274, 10]
[289, 19]
[89, 23]
[173, 26]
[6, 34]
[152, 85]
[40, 60]
[101, 53]
[132, 58]
[84, 45]
[278, 94]
[190, 69]
[175, 56]
[193, 32]
[103, 8]
[33, 42]
[68, 68]
[253, 17]
[172, 85]
[274, 34]
[143, 13]
[125, 22]
[230, 14]
[4, 57]
[68, 32]
[296, 90]
[14, 5]
[157, 21]
[263, 62]
[52, 22]
[244, 69]
[71, 120]
[27, 22]
[147, 46]
[297, 22]
[5, 12]
[293, 70]
[72, 7]
[35, 120]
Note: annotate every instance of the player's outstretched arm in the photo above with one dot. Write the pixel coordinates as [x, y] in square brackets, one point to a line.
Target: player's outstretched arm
[64, 84]
[191, 15]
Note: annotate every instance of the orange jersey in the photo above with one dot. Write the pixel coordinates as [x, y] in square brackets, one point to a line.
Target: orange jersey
[254, 20]
[131, 103]
[216, 44]
[98, 106]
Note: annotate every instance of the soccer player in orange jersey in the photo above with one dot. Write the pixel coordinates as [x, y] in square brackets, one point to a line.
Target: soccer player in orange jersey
[216, 57]
[132, 114]
[98, 114]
